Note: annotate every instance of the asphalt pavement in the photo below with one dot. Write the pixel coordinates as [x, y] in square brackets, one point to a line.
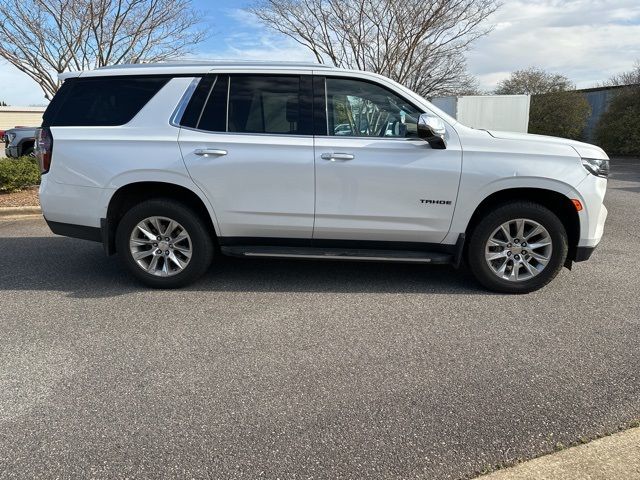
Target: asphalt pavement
[299, 369]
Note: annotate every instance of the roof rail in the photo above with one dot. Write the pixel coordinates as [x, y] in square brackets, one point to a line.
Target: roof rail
[217, 63]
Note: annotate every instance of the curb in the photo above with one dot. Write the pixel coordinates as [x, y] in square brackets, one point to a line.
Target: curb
[19, 211]
[616, 457]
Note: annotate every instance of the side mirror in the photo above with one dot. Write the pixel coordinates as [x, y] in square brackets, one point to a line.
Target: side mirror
[432, 130]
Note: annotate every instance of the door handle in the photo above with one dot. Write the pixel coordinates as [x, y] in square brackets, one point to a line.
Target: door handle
[210, 152]
[337, 156]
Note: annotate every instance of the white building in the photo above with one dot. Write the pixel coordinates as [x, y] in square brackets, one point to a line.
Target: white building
[488, 112]
[11, 117]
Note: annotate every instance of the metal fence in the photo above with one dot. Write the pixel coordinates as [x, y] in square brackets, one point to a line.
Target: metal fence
[599, 99]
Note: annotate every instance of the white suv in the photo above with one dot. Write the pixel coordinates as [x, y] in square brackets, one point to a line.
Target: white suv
[171, 164]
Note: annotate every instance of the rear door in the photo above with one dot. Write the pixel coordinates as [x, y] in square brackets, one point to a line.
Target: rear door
[250, 150]
[375, 180]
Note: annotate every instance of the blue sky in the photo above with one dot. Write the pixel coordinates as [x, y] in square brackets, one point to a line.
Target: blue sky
[587, 40]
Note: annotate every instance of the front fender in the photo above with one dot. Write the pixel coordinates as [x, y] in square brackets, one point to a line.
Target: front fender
[469, 200]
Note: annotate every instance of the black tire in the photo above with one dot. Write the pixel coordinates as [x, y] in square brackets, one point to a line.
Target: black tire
[200, 237]
[510, 211]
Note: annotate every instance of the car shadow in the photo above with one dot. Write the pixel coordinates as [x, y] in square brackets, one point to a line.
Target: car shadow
[82, 269]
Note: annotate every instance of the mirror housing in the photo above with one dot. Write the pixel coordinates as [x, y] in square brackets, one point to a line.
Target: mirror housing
[432, 129]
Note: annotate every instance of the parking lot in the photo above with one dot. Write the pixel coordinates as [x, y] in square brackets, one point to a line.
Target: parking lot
[283, 369]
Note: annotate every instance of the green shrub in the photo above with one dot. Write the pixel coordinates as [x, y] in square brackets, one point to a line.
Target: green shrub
[618, 131]
[18, 173]
[561, 114]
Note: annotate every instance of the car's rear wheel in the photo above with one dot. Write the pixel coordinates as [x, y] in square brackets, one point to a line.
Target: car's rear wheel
[517, 248]
[164, 243]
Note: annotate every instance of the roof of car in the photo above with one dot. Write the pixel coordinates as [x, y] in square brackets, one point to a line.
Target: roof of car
[191, 67]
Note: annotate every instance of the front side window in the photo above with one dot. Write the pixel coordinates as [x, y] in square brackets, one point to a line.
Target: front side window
[362, 109]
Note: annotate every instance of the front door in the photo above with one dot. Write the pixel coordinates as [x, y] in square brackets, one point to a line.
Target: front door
[250, 150]
[375, 180]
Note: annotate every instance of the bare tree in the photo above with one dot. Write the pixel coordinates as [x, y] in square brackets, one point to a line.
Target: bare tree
[45, 37]
[533, 81]
[631, 77]
[419, 43]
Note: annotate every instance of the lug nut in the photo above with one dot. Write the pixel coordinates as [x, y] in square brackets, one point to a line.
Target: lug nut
[517, 257]
[508, 245]
[158, 238]
[166, 252]
[508, 254]
[516, 241]
[158, 252]
[524, 244]
[155, 244]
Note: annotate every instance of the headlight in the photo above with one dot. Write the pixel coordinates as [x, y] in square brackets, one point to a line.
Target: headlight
[596, 166]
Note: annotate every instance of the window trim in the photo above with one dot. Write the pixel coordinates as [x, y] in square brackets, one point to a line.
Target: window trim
[365, 80]
[178, 112]
[226, 113]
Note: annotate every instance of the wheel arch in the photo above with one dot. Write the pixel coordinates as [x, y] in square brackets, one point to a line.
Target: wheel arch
[26, 144]
[133, 193]
[558, 203]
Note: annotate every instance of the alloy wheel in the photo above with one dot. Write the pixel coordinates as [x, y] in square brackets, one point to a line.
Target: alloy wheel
[518, 250]
[161, 246]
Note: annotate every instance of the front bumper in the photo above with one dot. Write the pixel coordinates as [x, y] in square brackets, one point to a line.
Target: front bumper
[586, 246]
[591, 192]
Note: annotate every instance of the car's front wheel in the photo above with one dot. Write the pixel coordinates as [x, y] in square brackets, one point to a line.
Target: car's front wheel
[517, 248]
[164, 243]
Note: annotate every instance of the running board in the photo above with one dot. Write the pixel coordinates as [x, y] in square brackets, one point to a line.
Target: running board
[354, 254]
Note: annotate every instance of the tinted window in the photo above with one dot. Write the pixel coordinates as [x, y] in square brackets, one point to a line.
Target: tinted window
[267, 104]
[214, 115]
[363, 109]
[192, 112]
[105, 101]
[56, 103]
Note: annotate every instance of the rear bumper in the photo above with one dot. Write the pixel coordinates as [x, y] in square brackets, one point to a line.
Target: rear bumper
[104, 234]
[72, 204]
[75, 231]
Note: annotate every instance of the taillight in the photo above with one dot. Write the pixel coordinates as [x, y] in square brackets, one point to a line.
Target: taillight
[44, 148]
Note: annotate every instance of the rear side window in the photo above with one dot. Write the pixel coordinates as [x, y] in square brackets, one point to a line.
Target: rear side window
[193, 111]
[213, 116]
[273, 104]
[103, 101]
[262, 104]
